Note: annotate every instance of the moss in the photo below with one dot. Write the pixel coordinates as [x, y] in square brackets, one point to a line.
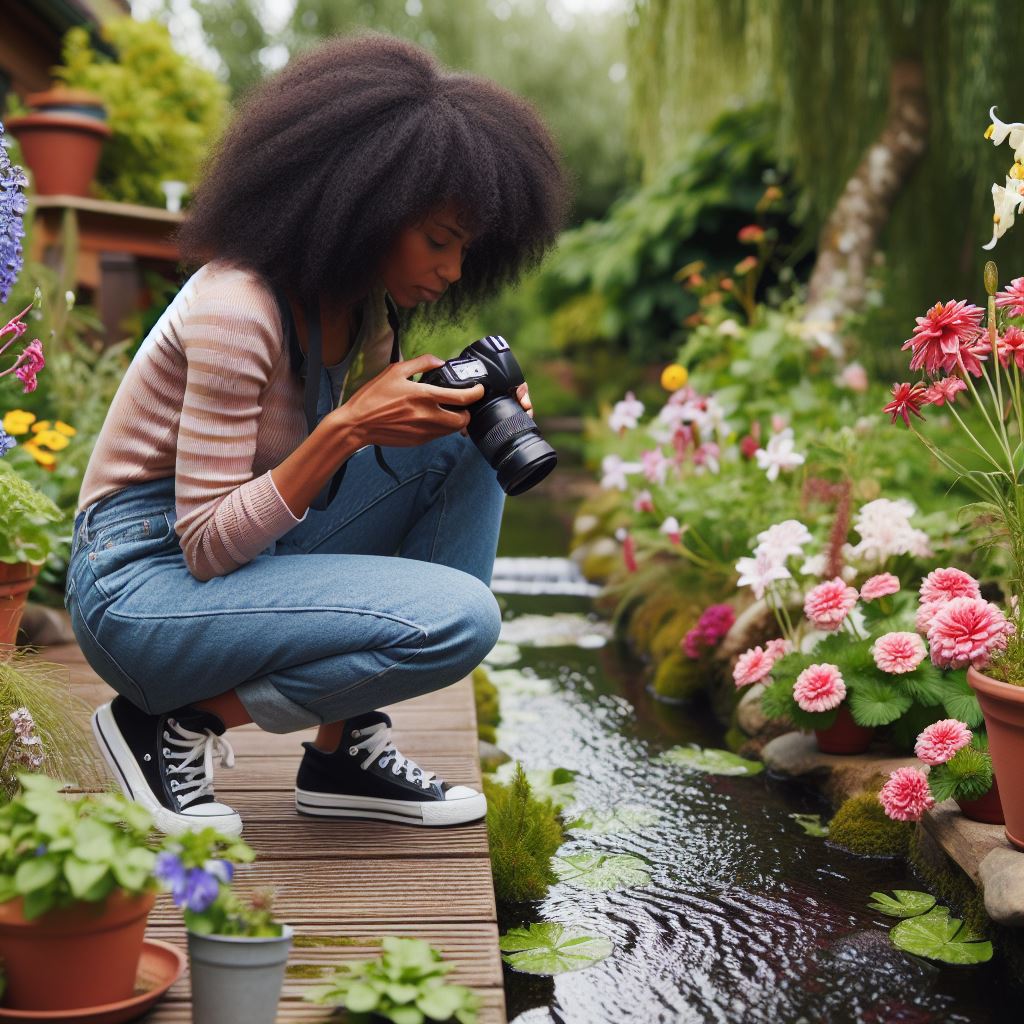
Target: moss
[488, 713]
[862, 826]
[649, 616]
[524, 833]
[599, 563]
[305, 971]
[679, 677]
[947, 882]
[735, 739]
[668, 636]
[317, 941]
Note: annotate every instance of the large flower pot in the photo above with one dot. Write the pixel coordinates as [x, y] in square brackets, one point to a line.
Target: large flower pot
[61, 138]
[237, 980]
[987, 808]
[80, 956]
[16, 580]
[1003, 706]
[844, 735]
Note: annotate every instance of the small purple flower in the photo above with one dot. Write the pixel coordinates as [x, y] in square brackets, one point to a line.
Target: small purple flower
[222, 870]
[201, 890]
[6, 442]
[13, 205]
[169, 870]
[40, 850]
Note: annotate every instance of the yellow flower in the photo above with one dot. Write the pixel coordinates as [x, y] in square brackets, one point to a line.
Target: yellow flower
[37, 453]
[674, 376]
[40, 425]
[64, 428]
[17, 421]
[51, 439]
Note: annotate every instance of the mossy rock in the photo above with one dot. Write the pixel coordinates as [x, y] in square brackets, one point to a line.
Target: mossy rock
[669, 635]
[679, 677]
[650, 615]
[600, 559]
[735, 739]
[862, 827]
[488, 714]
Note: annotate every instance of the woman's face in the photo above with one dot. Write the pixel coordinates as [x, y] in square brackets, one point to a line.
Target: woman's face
[427, 258]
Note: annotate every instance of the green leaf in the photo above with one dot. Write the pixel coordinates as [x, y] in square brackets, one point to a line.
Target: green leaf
[551, 948]
[36, 903]
[361, 998]
[625, 818]
[94, 841]
[926, 684]
[811, 824]
[939, 937]
[405, 1015]
[907, 903]
[601, 872]
[441, 1002]
[961, 701]
[82, 875]
[35, 874]
[133, 869]
[399, 993]
[875, 702]
[715, 762]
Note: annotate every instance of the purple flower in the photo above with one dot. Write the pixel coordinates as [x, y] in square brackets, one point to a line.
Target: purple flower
[222, 870]
[201, 890]
[169, 870]
[6, 442]
[13, 205]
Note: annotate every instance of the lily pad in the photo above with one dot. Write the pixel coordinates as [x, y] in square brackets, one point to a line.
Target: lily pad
[715, 762]
[601, 872]
[503, 654]
[617, 820]
[938, 936]
[908, 903]
[551, 948]
[555, 784]
[811, 824]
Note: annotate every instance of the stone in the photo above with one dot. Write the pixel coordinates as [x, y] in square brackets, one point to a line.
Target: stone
[749, 716]
[43, 626]
[794, 754]
[1002, 876]
[491, 756]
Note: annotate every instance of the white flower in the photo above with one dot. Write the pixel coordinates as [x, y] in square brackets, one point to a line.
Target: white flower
[998, 132]
[783, 539]
[885, 531]
[814, 565]
[729, 328]
[1006, 202]
[778, 454]
[626, 414]
[671, 528]
[614, 472]
[759, 572]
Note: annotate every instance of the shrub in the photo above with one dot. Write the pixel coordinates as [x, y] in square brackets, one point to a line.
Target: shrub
[488, 713]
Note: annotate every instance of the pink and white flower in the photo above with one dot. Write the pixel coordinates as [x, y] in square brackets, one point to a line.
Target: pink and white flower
[941, 740]
[941, 336]
[783, 539]
[779, 648]
[878, 586]
[671, 528]
[1013, 297]
[779, 454]
[945, 584]
[899, 653]
[885, 531]
[854, 377]
[828, 604]
[626, 414]
[819, 688]
[906, 796]
[752, 666]
[643, 502]
[944, 391]
[614, 471]
[1011, 348]
[967, 631]
[760, 572]
[655, 465]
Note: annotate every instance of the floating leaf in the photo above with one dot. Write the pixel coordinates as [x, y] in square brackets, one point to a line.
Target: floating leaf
[938, 936]
[601, 872]
[716, 762]
[550, 948]
[616, 820]
[907, 903]
[811, 824]
[555, 784]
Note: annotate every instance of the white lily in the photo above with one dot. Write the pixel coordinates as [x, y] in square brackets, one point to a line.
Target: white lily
[1007, 201]
[998, 131]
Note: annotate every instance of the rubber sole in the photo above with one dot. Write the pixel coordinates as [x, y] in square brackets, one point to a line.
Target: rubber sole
[133, 783]
[428, 813]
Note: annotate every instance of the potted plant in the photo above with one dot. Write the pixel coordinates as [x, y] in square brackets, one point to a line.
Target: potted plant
[237, 951]
[76, 887]
[405, 984]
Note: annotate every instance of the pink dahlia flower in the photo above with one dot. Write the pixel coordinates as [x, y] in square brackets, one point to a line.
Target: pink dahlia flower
[941, 740]
[819, 688]
[925, 614]
[944, 391]
[752, 666]
[906, 399]
[881, 585]
[906, 795]
[1013, 297]
[1011, 347]
[829, 603]
[776, 649]
[898, 653]
[942, 335]
[967, 631]
[945, 584]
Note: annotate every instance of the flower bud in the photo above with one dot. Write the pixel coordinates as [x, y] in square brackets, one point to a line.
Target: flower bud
[991, 277]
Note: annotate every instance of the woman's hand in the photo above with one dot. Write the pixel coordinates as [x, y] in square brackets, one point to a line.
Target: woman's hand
[523, 394]
[392, 410]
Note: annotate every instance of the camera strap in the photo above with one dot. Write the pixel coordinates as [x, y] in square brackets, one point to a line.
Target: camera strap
[310, 366]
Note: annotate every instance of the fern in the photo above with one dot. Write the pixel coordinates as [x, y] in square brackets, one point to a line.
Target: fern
[965, 776]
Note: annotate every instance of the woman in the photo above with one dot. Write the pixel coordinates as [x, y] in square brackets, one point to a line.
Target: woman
[235, 545]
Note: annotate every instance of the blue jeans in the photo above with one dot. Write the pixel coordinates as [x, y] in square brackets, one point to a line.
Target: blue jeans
[325, 624]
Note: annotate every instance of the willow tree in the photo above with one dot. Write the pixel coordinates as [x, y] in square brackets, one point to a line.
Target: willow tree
[881, 107]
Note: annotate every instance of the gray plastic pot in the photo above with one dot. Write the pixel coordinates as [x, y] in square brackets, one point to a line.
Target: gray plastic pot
[237, 980]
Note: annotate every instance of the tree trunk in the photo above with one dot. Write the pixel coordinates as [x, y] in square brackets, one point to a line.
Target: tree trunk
[850, 236]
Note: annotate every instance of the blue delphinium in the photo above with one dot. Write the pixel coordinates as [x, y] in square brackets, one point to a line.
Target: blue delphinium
[192, 889]
[6, 442]
[13, 205]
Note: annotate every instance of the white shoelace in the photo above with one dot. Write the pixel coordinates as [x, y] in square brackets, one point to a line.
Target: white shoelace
[194, 760]
[377, 742]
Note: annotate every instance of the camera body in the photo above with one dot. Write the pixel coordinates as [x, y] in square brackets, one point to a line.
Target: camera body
[501, 429]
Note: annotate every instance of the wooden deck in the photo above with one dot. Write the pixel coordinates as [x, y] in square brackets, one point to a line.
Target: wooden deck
[339, 882]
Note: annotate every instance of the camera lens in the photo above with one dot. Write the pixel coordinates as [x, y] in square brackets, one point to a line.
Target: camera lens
[510, 442]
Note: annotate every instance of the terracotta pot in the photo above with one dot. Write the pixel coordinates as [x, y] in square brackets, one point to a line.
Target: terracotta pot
[81, 956]
[1003, 706]
[16, 580]
[844, 735]
[62, 138]
[987, 808]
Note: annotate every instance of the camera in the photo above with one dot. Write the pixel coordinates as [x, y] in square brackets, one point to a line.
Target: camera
[504, 433]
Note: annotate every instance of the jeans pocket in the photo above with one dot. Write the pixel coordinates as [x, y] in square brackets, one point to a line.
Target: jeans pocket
[119, 545]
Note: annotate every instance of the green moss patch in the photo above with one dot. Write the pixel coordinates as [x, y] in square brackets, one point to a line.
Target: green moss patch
[488, 714]
[317, 941]
[862, 827]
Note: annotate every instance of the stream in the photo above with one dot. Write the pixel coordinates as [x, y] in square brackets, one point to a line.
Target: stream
[746, 919]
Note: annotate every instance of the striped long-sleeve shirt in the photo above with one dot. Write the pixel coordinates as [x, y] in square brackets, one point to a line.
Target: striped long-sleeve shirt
[211, 400]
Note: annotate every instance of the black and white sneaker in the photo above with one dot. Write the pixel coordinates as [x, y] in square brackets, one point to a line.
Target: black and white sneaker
[165, 763]
[366, 777]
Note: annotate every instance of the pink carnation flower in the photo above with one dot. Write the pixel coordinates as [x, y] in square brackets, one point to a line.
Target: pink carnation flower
[829, 603]
[944, 391]
[776, 649]
[819, 688]
[752, 666]
[1013, 297]
[879, 586]
[925, 614]
[967, 631]
[945, 584]
[1011, 347]
[898, 653]
[906, 795]
[941, 740]
[942, 336]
